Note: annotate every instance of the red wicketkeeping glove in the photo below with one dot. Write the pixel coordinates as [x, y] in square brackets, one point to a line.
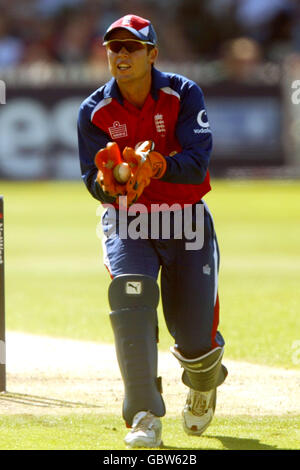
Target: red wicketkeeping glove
[145, 164]
[105, 160]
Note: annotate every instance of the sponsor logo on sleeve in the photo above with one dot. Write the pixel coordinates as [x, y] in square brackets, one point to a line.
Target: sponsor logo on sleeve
[203, 123]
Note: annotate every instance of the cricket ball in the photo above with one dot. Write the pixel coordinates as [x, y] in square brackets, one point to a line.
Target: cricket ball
[122, 172]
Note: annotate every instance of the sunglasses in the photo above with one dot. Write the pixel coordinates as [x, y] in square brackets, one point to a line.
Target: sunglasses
[131, 45]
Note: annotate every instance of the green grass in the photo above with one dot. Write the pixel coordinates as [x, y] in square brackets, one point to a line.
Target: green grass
[26, 432]
[56, 284]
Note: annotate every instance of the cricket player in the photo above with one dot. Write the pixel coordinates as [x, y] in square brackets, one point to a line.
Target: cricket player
[155, 126]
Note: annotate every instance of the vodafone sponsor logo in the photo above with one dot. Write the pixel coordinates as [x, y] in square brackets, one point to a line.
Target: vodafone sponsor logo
[203, 123]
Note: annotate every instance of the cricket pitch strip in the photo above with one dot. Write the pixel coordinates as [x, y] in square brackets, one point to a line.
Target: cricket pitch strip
[60, 376]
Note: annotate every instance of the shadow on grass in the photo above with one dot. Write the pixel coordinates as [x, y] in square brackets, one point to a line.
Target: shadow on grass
[241, 443]
[46, 402]
[229, 443]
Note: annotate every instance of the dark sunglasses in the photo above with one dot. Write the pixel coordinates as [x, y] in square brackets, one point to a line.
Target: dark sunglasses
[131, 45]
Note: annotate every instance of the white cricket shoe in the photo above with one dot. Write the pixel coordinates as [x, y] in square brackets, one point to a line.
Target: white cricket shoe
[198, 411]
[145, 431]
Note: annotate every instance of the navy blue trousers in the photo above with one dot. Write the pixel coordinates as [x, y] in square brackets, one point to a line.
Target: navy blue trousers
[189, 277]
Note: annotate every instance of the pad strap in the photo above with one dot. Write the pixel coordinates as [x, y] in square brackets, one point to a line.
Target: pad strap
[203, 373]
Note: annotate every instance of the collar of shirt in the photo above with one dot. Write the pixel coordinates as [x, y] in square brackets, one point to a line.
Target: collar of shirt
[159, 80]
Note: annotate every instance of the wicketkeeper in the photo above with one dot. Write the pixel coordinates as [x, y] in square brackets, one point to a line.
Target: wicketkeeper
[145, 144]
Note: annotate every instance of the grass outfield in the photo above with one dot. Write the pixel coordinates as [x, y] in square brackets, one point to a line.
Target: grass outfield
[90, 432]
[56, 284]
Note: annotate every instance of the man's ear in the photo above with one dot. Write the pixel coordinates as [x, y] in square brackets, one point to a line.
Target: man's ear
[153, 54]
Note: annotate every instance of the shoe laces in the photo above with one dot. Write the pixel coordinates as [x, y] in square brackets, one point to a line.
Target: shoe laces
[198, 402]
[144, 423]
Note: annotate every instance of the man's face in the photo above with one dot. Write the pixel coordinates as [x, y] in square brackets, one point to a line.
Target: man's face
[127, 66]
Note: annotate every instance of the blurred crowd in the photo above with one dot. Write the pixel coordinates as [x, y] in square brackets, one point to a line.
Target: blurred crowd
[241, 33]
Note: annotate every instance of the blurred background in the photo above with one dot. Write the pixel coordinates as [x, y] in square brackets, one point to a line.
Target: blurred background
[245, 54]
